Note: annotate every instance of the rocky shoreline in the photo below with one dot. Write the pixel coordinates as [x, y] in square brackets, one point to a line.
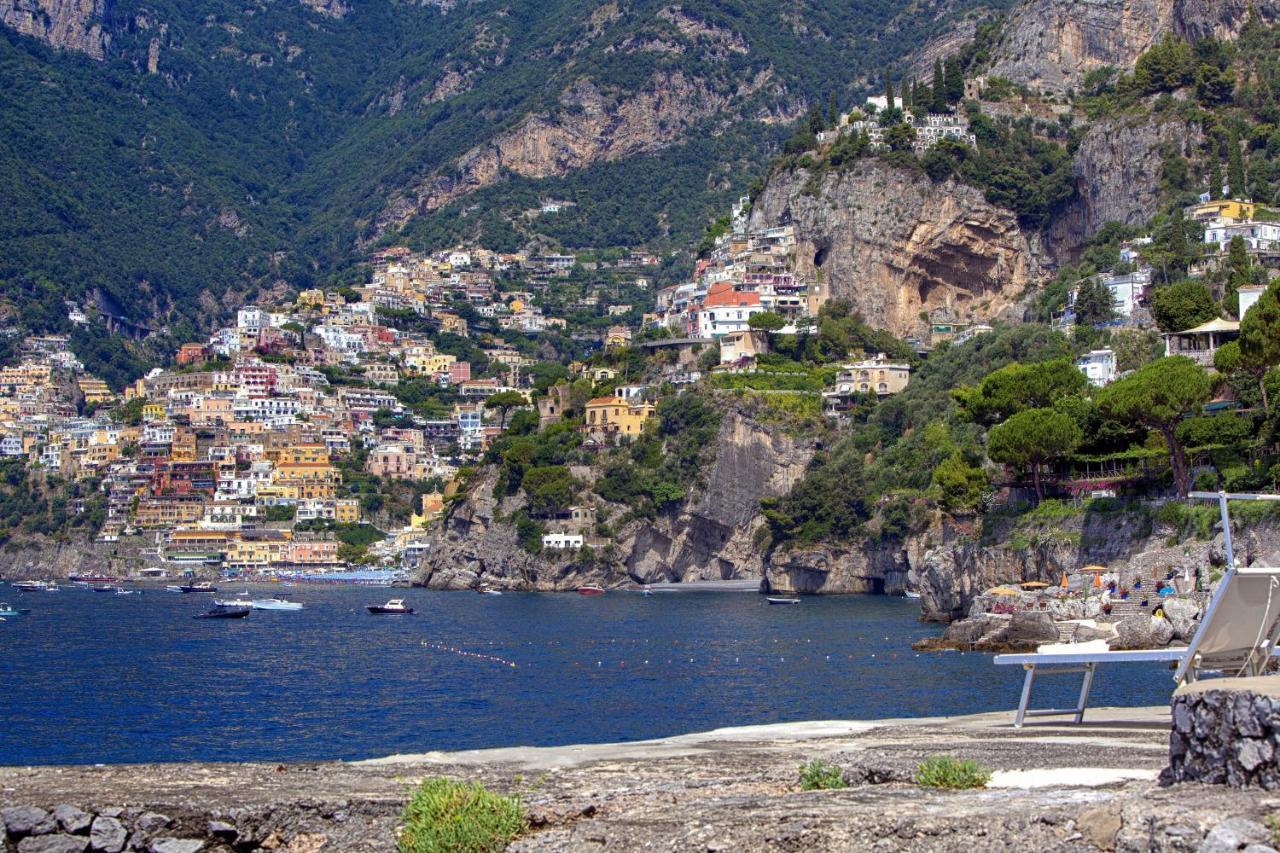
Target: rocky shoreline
[1055, 786]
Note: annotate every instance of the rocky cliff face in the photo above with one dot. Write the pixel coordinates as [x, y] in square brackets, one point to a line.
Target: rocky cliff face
[1051, 45]
[591, 127]
[1117, 173]
[67, 24]
[897, 245]
[709, 538]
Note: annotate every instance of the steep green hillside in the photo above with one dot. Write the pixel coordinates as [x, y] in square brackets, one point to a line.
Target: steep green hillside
[227, 147]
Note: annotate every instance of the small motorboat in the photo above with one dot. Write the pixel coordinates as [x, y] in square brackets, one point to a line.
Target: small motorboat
[173, 589]
[488, 590]
[31, 586]
[590, 590]
[783, 600]
[198, 587]
[233, 602]
[122, 591]
[222, 611]
[104, 588]
[53, 587]
[394, 607]
[910, 594]
[8, 610]
[275, 604]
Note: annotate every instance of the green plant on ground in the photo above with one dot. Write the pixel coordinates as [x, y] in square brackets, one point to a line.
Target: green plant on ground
[446, 815]
[818, 775]
[944, 771]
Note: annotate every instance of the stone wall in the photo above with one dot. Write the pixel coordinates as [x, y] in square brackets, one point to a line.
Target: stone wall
[1227, 732]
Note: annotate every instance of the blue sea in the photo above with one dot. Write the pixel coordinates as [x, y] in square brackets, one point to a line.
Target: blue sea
[91, 677]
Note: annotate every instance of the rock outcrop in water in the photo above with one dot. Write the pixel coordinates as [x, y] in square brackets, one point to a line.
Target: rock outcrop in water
[708, 537]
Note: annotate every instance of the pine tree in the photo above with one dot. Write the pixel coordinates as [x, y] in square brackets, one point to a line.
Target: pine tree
[1235, 168]
[833, 112]
[955, 81]
[888, 91]
[938, 94]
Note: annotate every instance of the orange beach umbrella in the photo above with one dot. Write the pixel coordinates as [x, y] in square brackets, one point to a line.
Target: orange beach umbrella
[1064, 580]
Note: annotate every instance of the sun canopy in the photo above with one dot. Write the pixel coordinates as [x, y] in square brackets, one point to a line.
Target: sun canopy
[1003, 590]
[1239, 626]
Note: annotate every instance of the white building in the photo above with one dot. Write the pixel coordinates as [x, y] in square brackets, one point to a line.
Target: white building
[1248, 296]
[1098, 366]
[1257, 236]
[563, 541]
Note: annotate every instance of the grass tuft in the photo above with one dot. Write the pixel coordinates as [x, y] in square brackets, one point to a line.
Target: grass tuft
[943, 771]
[821, 776]
[445, 815]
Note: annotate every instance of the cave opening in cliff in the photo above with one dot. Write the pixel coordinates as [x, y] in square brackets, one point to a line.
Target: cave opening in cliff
[820, 255]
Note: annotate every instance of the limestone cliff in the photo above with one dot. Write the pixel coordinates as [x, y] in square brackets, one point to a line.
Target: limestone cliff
[1117, 174]
[590, 126]
[1051, 45]
[709, 537]
[67, 24]
[898, 246]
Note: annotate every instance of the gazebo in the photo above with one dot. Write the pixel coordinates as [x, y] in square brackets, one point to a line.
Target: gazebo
[1200, 343]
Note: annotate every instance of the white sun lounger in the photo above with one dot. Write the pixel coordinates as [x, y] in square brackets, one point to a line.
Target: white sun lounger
[1238, 633]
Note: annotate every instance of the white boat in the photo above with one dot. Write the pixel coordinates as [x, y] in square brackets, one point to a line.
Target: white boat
[173, 589]
[275, 604]
[122, 591]
[910, 594]
[233, 602]
[783, 600]
[394, 607]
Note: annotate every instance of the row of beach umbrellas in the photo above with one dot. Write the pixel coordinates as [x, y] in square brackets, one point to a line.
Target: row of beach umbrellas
[1029, 586]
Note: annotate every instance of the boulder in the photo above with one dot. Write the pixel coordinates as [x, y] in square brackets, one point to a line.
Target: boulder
[1183, 615]
[22, 820]
[176, 845]
[53, 844]
[1031, 630]
[1141, 631]
[151, 822]
[107, 834]
[73, 820]
[1233, 834]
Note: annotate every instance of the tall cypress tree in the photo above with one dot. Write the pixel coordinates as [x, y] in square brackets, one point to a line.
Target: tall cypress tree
[833, 112]
[888, 90]
[1215, 176]
[955, 81]
[938, 99]
[1235, 167]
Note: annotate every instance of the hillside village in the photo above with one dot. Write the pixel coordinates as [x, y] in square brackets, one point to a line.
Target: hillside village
[333, 428]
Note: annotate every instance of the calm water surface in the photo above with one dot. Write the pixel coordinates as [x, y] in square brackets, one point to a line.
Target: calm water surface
[91, 677]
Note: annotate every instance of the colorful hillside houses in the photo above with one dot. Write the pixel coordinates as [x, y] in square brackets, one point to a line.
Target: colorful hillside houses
[613, 418]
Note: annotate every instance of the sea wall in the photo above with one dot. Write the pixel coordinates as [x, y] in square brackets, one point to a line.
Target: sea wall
[1227, 732]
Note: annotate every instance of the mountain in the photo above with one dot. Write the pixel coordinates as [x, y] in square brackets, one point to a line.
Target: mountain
[1053, 45]
[161, 161]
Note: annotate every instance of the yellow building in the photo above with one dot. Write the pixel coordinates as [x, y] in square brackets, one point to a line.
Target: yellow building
[1226, 208]
[614, 416]
[303, 454]
[428, 363]
[95, 390]
[309, 480]
[154, 412]
[313, 298]
[432, 508]
[346, 511]
[183, 448]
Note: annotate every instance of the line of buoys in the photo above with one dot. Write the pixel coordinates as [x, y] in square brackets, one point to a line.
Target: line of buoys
[441, 647]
